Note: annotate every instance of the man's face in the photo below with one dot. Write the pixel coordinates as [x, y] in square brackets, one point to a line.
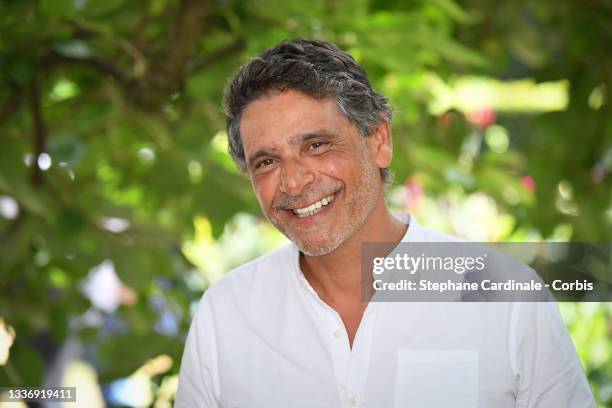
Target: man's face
[311, 170]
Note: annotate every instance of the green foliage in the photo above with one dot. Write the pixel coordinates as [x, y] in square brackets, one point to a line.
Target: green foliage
[124, 97]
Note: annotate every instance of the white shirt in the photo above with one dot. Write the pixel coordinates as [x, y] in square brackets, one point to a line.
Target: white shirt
[261, 337]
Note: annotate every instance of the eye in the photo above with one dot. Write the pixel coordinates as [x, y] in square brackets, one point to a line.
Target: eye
[316, 145]
[264, 163]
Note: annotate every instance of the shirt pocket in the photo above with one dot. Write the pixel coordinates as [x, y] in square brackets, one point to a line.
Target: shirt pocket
[436, 379]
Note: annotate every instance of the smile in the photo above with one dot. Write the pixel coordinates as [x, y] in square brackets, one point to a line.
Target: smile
[313, 208]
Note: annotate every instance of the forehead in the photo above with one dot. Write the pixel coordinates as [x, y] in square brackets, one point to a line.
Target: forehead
[270, 121]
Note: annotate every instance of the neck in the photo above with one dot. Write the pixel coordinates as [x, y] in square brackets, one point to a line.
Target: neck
[336, 277]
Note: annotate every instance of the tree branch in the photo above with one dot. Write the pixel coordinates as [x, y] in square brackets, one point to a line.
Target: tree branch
[167, 71]
[53, 59]
[11, 104]
[83, 30]
[40, 130]
[40, 142]
[164, 74]
[218, 55]
[184, 37]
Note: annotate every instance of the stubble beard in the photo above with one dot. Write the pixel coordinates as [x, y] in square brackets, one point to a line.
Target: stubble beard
[360, 204]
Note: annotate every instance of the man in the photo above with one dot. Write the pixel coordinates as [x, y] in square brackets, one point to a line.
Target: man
[291, 329]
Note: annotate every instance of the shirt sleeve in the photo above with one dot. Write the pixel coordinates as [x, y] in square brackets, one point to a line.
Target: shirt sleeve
[198, 379]
[548, 370]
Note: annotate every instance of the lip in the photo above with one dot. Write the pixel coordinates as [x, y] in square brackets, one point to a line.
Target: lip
[313, 218]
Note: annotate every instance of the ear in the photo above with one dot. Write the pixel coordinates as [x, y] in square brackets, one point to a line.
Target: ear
[380, 145]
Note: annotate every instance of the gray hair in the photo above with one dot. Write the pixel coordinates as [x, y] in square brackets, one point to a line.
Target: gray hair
[316, 68]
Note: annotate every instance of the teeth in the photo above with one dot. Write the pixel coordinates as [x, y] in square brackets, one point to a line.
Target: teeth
[313, 208]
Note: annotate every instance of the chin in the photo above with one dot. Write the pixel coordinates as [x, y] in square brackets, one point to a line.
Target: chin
[315, 251]
[318, 249]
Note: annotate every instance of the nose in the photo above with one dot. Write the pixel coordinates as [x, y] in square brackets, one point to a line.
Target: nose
[294, 177]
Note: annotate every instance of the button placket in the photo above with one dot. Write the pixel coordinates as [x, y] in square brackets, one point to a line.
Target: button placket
[350, 384]
[360, 359]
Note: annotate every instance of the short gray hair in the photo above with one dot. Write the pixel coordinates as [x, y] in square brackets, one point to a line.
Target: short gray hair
[316, 68]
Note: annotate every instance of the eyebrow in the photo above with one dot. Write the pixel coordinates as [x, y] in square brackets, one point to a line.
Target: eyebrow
[255, 156]
[304, 137]
[295, 140]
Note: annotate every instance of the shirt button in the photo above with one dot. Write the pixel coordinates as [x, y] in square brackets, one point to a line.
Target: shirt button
[351, 402]
[338, 333]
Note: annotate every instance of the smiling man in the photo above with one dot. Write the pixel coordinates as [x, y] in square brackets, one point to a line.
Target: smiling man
[291, 329]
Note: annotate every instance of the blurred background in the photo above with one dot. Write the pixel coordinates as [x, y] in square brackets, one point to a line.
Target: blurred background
[119, 204]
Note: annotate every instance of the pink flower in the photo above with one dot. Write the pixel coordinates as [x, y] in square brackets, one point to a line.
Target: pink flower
[483, 117]
[529, 183]
[414, 192]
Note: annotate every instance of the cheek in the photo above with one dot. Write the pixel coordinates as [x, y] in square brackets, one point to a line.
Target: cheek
[331, 169]
[334, 164]
[264, 189]
[343, 166]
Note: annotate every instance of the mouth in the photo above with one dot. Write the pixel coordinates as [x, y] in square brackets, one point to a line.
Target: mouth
[313, 208]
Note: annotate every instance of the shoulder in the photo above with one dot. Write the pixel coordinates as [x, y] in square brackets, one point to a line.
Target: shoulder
[255, 279]
[418, 233]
